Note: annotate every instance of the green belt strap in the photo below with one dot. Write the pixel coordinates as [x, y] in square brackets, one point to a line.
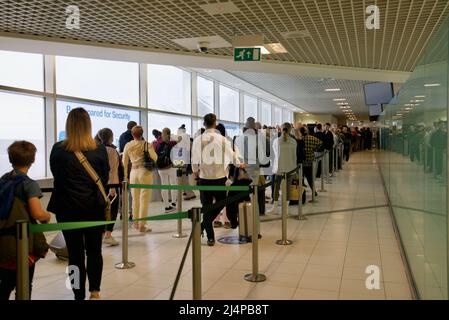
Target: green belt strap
[87, 224]
[188, 187]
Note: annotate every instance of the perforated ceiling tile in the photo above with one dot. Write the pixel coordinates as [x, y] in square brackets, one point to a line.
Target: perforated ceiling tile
[337, 27]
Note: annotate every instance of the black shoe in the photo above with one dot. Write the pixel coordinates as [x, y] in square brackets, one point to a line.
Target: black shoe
[210, 242]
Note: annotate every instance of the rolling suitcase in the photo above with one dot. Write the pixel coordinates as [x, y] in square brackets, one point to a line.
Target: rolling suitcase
[245, 221]
[58, 247]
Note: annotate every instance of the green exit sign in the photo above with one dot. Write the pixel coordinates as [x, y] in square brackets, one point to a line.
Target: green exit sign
[246, 54]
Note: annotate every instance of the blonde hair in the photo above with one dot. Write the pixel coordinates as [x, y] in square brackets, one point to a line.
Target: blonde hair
[166, 133]
[286, 128]
[79, 131]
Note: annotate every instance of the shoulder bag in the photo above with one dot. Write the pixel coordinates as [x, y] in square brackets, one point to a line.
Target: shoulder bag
[85, 163]
[148, 163]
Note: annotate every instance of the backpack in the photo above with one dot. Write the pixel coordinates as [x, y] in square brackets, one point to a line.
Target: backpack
[163, 156]
[12, 211]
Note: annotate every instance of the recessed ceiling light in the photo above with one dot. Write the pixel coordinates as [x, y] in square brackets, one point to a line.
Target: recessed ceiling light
[419, 100]
[432, 85]
[342, 104]
[420, 96]
[332, 90]
[341, 99]
[275, 48]
[263, 50]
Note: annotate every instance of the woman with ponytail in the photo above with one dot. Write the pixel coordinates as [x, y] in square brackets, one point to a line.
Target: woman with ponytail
[285, 155]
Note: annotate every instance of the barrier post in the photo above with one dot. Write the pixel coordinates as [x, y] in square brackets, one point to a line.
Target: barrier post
[434, 161]
[342, 155]
[284, 240]
[327, 166]
[255, 276]
[125, 264]
[322, 172]
[23, 276]
[444, 167]
[313, 181]
[300, 214]
[179, 233]
[196, 253]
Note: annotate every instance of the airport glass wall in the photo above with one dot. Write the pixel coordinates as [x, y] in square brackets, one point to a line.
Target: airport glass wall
[37, 92]
[413, 161]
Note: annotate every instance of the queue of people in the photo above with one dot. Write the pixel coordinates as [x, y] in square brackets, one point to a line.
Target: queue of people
[82, 166]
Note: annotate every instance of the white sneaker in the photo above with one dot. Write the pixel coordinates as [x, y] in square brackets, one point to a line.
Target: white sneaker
[110, 241]
[273, 210]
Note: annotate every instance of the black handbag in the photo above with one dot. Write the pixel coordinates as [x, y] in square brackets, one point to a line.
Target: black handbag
[148, 163]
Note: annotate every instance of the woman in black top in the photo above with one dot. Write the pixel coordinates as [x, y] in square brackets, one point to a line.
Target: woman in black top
[76, 197]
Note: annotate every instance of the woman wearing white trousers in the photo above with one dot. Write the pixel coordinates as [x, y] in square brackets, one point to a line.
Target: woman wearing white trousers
[134, 152]
[166, 170]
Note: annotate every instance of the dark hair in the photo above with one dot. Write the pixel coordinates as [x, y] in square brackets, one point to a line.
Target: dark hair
[22, 154]
[328, 124]
[202, 130]
[183, 127]
[209, 120]
[303, 131]
[131, 125]
[156, 133]
[106, 136]
[221, 128]
[319, 126]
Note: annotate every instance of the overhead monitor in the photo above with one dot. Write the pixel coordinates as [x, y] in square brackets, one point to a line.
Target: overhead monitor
[378, 93]
[375, 110]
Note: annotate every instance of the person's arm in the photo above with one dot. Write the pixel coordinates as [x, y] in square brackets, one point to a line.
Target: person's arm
[196, 155]
[153, 154]
[125, 162]
[36, 211]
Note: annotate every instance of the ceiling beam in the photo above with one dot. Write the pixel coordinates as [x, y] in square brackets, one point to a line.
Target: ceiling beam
[35, 44]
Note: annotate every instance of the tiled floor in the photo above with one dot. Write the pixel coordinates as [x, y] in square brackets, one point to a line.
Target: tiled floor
[327, 259]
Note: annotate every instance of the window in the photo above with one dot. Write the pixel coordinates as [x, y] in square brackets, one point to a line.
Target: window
[115, 119]
[22, 70]
[288, 116]
[205, 96]
[23, 118]
[103, 80]
[249, 107]
[265, 113]
[160, 121]
[277, 116]
[169, 89]
[232, 129]
[229, 104]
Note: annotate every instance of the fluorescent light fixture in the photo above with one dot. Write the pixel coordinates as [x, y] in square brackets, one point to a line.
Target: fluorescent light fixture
[332, 90]
[432, 85]
[420, 96]
[419, 100]
[275, 48]
[263, 50]
[341, 99]
[342, 104]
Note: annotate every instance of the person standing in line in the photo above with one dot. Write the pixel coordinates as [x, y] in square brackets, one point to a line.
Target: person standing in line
[106, 137]
[21, 155]
[182, 152]
[211, 155]
[76, 197]
[347, 142]
[320, 135]
[328, 146]
[311, 145]
[285, 160]
[124, 138]
[134, 153]
[166, 170]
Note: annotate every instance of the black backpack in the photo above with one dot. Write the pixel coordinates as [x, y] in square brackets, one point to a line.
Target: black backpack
[163, 156]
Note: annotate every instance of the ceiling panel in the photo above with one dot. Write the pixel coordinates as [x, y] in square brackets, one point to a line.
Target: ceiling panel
[337, 27]
[309, 93]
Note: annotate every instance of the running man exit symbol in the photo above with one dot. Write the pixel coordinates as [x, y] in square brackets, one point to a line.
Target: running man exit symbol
[246, 54]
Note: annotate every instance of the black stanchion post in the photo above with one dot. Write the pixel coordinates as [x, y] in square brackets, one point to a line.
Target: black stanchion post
[196, 253]
[23, 276]
[179, 233]
[125, 264]
[322, 172]
[314, 165]
[255, 276]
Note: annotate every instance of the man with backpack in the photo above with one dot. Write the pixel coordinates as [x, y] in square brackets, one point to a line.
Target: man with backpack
[19, 198]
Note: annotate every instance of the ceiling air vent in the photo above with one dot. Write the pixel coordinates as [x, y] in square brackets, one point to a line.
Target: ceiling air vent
[296, 34]
[220, 8]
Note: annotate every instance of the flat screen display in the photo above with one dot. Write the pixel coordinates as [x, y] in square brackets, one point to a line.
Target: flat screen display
[378, 93]
[375, 110]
